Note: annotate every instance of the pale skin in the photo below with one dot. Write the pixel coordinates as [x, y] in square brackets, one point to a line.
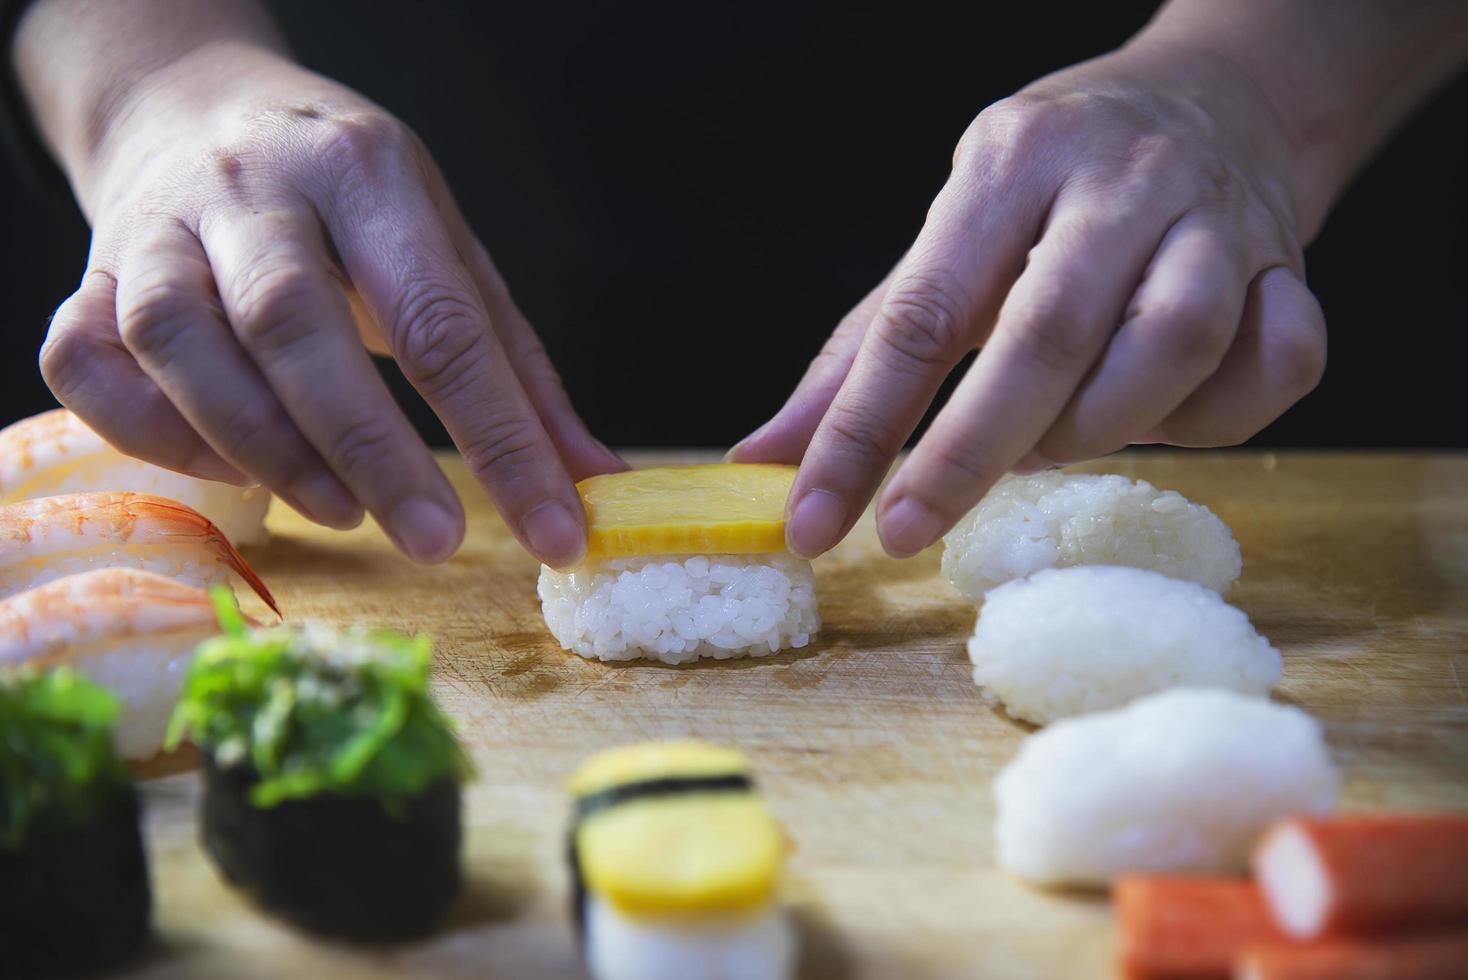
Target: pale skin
[1121, 241]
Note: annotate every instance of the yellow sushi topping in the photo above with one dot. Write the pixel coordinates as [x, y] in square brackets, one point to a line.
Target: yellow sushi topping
[716, 509]
[655, 760]
[658, 840]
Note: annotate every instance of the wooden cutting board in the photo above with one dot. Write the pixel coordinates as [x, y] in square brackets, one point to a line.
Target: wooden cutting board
[872, 744]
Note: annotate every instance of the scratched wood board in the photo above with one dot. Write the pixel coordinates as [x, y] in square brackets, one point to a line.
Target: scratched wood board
[872, 744]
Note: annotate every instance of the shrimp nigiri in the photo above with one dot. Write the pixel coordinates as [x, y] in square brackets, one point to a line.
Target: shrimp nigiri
[46, 538]
[55, 452]
[128, 630]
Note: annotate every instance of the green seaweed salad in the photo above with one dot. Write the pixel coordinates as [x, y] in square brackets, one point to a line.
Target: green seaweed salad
[58, 767]
[316, 710]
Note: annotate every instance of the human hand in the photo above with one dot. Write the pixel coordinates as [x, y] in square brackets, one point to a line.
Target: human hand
[241, 206]
[1123, 244]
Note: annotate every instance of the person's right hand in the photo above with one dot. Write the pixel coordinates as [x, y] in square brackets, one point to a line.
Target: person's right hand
[241, 206]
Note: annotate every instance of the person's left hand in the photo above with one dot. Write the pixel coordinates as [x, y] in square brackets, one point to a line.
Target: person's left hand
[1124, 244]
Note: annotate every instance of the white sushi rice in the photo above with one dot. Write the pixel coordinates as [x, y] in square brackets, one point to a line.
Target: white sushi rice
[162, 560]
[1072, 640]
[759, 945]
[1180, 782]
[677, 609]
[1029, 523]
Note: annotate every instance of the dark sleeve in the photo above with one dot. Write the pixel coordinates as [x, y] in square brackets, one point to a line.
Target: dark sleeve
[17, 130]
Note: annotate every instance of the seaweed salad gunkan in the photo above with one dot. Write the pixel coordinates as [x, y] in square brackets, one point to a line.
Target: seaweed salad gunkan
[331, 777]
[74, 891]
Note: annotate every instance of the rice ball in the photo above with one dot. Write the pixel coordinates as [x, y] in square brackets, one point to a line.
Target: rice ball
[1029, 523]
[1180, 782]
[679, 608]
[1072, 640]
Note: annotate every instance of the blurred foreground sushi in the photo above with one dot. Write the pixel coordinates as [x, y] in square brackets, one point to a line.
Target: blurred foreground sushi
[676, 862]
[331, 778]
[74, 891]
[56, 452]
[684, 562]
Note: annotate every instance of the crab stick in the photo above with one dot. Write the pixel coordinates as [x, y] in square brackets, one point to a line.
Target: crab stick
[1431, 958]
[1328, 875]
[1186, 927]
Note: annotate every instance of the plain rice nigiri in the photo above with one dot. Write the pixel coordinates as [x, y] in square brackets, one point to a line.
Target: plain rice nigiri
[131, 631]
[1049, 520]
[55, 452]
[50, 537]
[1182, 782]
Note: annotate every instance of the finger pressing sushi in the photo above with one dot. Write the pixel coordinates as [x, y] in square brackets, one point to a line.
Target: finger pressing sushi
[1184, 781]
[74, 892]
[1029, 523]
[1072, 640]
[49, 537]
[129, 630]
[1183, 927]
[1366, 872]
[684, 562]
[332, 778]
[676, 862]
[56, 452]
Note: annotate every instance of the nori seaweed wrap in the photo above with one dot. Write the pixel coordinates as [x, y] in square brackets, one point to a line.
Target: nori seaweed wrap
[74, 893]
[332, 779]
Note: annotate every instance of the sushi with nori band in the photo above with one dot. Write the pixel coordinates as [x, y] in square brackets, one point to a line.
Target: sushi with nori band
[676, 861]
[332, 779]
[74, 893]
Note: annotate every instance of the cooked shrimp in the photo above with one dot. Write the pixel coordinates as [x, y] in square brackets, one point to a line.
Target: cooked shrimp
[55, 452]
[46, 538]
[131, 631]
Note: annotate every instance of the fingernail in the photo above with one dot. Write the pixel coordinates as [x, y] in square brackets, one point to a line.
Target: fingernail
[424, 529]
[207, 466]
[907, 527]
[324, 500]
[554, 534]
[815, 523]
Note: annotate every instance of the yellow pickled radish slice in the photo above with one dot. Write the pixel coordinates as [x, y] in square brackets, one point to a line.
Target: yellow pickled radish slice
[694, 852]
[716, 509]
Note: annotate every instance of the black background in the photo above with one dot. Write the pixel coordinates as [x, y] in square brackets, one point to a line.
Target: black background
[686, 198]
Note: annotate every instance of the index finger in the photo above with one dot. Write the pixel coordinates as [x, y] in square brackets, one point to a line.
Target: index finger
[394, 245]
[943, 294]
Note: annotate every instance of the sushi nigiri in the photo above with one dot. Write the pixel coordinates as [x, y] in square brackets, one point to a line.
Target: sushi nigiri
[331, 789]
[1056, 520]
[676, 861]
[55, 452]
[50, 537]
[684, 562]
[74, 892]
[129, 630]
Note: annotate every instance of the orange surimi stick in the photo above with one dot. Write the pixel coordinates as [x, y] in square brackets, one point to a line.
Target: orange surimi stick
[1434, 958]
[1326, 875]
[1186, 927]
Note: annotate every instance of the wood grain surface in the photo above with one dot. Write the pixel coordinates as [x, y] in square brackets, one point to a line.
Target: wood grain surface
[872, 744]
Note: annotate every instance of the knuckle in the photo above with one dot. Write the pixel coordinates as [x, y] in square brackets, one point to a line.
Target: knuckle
[1053, 335]
[440, 340]
[1301, 359]
[922, 322]
[274, 304]
[354, 140]
[153, 314]
[862, 436]
[503, 446]
[66, 360]
[1191, 331]
[250, 434]
[362, 447]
